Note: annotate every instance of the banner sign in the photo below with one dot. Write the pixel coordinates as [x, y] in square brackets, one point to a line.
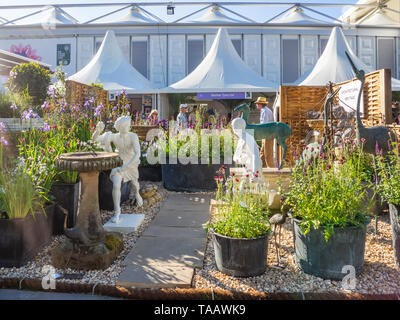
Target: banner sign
[348, 96]
[223, 95]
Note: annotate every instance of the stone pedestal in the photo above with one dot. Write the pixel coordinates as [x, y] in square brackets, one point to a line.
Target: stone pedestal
[99, 255]
[127, 223]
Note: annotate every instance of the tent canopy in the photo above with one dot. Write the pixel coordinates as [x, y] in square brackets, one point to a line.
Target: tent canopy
[380, 18]
[297, 16]
[215, 15]
[222, 70]
[135, 15]
[110, 67]
[333, 64]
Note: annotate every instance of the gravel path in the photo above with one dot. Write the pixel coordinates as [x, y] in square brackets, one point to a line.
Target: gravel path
[33, 269]
[379, 275]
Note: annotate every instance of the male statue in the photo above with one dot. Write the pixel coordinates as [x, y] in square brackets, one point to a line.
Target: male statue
[128, 147]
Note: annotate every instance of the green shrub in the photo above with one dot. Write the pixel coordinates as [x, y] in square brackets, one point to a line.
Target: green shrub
[31, 77]
[12, 105]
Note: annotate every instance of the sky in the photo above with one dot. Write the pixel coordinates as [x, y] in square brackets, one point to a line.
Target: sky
[257, 13]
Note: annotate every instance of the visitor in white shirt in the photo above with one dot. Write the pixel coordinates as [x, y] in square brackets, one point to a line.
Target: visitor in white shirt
[266, 115]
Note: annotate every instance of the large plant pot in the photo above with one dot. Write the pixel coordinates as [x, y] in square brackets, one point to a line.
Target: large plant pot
[190, 177]
[57, 218]
[67, 196]
[141, 131]
[394, 211]
[105, 191]
[240, 257]
[324, 259]
[150, 173]
[21, 239]
[378, 205]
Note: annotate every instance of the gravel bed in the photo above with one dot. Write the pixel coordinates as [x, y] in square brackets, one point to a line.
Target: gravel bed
[379, 275]
[109, 276]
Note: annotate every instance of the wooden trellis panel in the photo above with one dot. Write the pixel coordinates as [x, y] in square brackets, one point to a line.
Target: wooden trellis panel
[78, 93]
[295, 101]
[294, 104]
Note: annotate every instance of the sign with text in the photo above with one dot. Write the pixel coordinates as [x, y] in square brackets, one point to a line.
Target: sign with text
[348, 96]
[223, 95]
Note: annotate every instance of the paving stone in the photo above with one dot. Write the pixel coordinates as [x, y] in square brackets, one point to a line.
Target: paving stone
[162, 275]
[158, 250]
[174, 232]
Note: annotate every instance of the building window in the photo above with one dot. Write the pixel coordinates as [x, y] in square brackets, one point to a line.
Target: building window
[195, 52]
[322, 45]
[140, 54]
[237, 43]
[99, 41]
[386, 56]
[290, 59]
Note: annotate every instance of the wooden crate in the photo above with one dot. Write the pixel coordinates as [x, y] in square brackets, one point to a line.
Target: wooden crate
[77, 93]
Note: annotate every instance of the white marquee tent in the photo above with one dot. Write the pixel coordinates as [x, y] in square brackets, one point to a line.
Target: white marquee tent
[334, 66]
[297, 16]
[222, 70]
[215, 15]
[110, 67]
[135, 16]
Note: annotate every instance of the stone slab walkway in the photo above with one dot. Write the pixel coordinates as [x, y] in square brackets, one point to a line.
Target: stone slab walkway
[172, 246]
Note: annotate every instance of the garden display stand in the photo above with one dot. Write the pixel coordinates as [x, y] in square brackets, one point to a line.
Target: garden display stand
[88, 246]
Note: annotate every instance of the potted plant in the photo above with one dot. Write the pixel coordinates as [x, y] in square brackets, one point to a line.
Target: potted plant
[327, 206]
[389, 190]
[24, 228]
[147, 171]
[240, 226]
[192, 145]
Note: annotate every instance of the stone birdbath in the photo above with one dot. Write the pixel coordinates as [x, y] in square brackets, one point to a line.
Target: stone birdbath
[88, 245]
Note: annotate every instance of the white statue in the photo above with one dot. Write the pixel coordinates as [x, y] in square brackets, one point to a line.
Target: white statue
[247, 151]
[128, 147]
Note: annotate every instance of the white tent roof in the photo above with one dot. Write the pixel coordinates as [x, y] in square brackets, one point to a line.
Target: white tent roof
[135, 15]
[379, 18]
[333, 64]
[297, 16]
[52, 16]
[222, 70]
[215, 15]
[110, 67]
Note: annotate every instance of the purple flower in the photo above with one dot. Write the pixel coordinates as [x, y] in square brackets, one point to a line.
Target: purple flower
[13, 107]
[3, 141]
[29, 114]
[98, 110]
[2, 127]
[13, 74]
[45, 127]
[44, 105]
[51, 92]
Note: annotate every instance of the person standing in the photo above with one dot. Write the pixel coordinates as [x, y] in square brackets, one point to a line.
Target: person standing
[192, 116]
[181, 118]
[266, 115]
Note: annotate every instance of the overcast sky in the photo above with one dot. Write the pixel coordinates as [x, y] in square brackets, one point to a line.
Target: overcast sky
[257, 13]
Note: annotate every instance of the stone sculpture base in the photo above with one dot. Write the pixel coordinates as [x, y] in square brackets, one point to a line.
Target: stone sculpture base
[127, 223]
[99, 255]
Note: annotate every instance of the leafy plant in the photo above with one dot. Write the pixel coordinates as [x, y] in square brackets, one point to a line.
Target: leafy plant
[328, 192]
[243, 206]
[32, 77]
[389, 176]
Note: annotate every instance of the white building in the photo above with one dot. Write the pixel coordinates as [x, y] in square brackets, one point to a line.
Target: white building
[280, 49]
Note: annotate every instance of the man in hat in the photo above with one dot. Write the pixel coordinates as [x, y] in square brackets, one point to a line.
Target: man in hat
[266, 115]
[181, 118]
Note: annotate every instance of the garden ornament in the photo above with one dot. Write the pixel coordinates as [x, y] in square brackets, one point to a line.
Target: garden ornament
[277, 220]
[270, 130]
[373, 137]
[246, 152]
[128, 147]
